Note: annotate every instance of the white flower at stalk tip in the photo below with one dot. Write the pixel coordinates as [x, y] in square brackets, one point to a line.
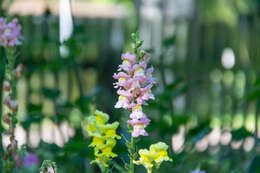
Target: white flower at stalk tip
[48, 167]
[49, 170]
[198, 171]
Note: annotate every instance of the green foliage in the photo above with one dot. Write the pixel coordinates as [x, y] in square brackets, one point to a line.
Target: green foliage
[169, 41]
[254, 93]
[225, 11]
[48, 166]
[89, 50]
[254, 166]
[198, 133]
[51, 94]
[240, 134]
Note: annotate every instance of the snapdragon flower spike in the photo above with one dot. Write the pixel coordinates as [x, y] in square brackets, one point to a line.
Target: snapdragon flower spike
[152, 159]
[104, 137]
[10, 33]
[134, 83]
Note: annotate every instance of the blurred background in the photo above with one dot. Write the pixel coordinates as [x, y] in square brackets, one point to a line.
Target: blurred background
[206, 57]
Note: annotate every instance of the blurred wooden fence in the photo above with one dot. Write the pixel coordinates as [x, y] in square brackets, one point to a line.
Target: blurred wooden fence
[94, 53]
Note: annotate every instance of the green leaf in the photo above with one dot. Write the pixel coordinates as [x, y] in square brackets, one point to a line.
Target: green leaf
[174, 84]
[178, 120]
[83, 103]
[257, 82]
[240, 133]
[254, 94]
[51, 94]
[201, 135]
[197, 133]
[236, 171]
[34, 108]
[64, 107]
[169, 41]
[254, 165]
[32, 118]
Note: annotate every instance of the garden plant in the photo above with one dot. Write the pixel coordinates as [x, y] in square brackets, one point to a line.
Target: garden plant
[129, 86]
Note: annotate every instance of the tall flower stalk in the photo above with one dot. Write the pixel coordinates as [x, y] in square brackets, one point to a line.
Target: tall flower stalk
[134, 83]
[10, 37]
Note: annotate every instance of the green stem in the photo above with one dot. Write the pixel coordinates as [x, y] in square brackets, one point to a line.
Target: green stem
[10, 76]
[2, 68]
[103, 168]
[132, 153]
[118, 167]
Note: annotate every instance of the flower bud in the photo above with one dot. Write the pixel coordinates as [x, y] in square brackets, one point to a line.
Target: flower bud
[139, 43]
[18, 70]
[13, 146]
[6, 85]
[17, 160]
[6, 119]
[145, 56]
[133, 35]
[5, 156]
[15, 21]
[51, 169]
[13, 105]
[7, 100]
[11, 129]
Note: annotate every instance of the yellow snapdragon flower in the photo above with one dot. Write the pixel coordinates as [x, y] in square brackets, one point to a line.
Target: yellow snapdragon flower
[153, 157]
[104, 137]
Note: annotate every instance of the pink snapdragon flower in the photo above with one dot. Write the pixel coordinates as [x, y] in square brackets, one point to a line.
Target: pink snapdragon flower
[134, 83]
[10, 33]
